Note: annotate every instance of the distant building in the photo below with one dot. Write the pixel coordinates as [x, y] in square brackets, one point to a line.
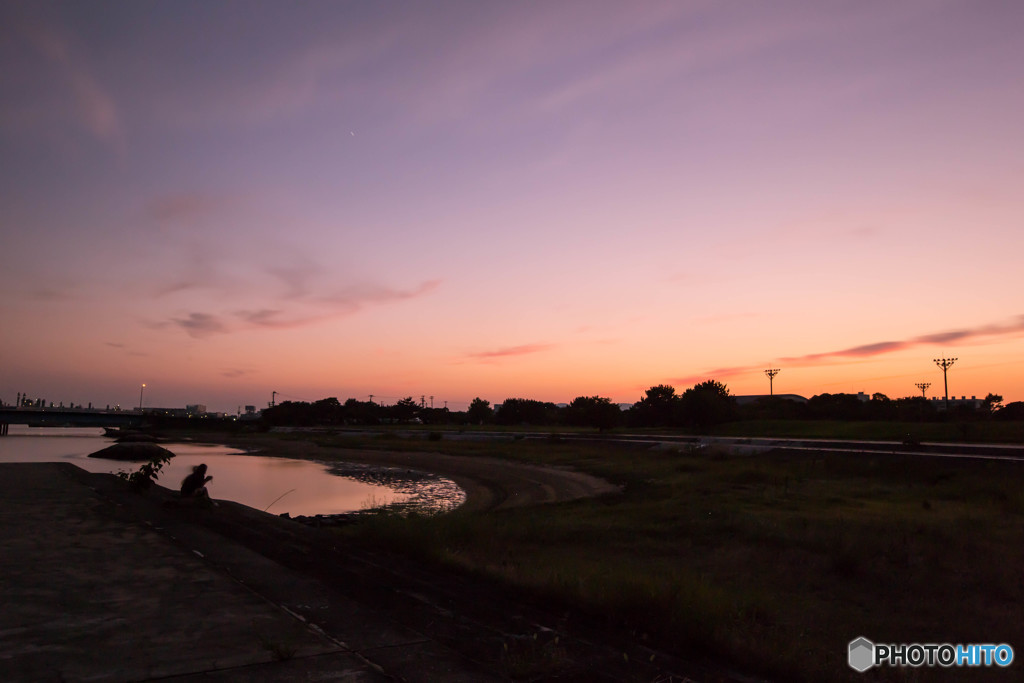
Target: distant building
[167, 412]
[195, 409]
[250, 414]
[954, 402]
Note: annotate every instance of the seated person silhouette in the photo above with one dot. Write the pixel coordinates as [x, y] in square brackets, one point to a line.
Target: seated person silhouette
[194, 485]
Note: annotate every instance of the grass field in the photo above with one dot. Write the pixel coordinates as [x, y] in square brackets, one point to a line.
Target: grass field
[771, 563]
[981, 431]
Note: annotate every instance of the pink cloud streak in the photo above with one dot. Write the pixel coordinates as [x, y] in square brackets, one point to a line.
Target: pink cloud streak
[1014, 326]
[199, 324]
[521, 350]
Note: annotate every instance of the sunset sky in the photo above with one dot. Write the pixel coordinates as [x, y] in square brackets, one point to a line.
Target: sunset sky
[503, 199]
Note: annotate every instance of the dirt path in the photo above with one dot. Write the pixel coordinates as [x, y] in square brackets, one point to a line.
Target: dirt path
[489, 483]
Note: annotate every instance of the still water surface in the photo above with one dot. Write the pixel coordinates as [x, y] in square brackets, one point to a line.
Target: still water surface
[277, 485]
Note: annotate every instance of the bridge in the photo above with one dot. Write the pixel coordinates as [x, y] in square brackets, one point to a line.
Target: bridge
[68, 417]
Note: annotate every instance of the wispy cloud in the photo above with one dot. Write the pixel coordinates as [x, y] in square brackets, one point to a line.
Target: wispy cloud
[52, 294]
[128, 352]
[184, 206]
[306, 310]
[717, 373]
[296, 277]
[1014, 326]
[93, 107]
[509, 351]
[200, 324]
[360, 295]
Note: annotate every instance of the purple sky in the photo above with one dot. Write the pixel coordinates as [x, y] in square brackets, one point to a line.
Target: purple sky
[546, 200]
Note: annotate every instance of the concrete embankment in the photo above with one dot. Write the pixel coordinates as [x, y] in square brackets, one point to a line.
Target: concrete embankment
[100, 584]
[103, 584]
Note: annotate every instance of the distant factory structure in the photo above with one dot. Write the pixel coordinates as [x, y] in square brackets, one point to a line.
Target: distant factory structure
[190, 410]
[954, 402]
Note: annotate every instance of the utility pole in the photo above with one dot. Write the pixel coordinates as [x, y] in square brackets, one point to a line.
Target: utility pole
[273, 397]
[431, 402]
[923, 386]
[371, 398]
[945, 364]
[771, 372]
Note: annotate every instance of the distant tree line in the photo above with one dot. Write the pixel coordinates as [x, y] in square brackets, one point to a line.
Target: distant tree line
[700, 407]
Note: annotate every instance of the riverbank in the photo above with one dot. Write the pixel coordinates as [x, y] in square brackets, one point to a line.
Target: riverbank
[771, 561]
[103, 584]
[489, 483]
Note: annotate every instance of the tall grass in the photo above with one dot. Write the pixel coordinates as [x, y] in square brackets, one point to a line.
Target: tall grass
[772, 562]
[980, 431]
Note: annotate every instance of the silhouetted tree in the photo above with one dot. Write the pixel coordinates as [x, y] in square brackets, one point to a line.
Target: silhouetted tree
[992, 403]
[835, 407]
[327, 411]
[362, 412]
[659, 407]
[405, 410]
[435, 416]
[479, 411]
[708, 404]
[514, 411]
[772, 408]
[880, 407]
[593, 411]
[1011, 411]
[914, 409]
[292, 413]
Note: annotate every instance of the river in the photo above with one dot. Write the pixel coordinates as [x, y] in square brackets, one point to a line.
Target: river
[275, 485]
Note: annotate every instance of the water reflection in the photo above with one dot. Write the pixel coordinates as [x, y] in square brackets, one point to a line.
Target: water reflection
[276, 485]
[422, 491]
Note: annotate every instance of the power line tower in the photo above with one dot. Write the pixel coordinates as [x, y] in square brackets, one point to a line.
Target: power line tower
[771, 372]
[945, 364]
[923, 386]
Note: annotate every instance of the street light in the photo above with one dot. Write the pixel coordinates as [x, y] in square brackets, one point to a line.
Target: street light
[140, 397]
[771, 372]
[945, 364]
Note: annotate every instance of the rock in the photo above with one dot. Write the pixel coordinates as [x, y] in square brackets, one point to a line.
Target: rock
[133, 451]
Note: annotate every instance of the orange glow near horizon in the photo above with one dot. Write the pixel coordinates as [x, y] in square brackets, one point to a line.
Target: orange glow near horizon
[541, 201]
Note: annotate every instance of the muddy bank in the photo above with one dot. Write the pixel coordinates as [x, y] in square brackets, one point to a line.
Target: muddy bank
[489, 483]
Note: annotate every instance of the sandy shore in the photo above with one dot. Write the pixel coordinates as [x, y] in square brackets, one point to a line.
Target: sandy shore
[489, 483]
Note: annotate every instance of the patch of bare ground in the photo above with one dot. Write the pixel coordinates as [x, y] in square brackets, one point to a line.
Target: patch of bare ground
[489, 483]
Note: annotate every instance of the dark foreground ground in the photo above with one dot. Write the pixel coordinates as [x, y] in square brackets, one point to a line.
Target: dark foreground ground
[102, 584]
